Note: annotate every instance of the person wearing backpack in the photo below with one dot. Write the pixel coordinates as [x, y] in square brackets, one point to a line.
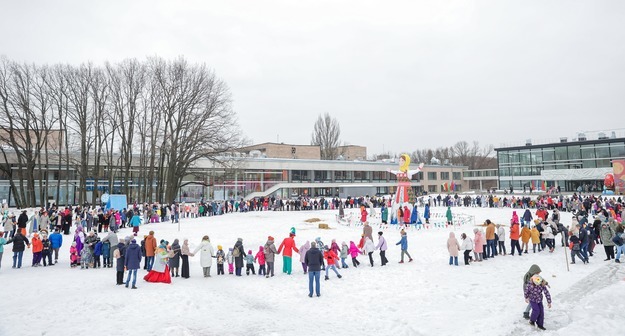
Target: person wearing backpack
[238, 253]
[618, 241]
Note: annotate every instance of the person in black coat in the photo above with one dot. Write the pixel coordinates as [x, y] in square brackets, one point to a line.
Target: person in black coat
[121, 248]
[314, 259]
[21, 222]
[238, 261]
[19, 245]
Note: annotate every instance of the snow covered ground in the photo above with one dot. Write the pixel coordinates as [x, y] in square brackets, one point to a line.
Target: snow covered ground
[425, 297]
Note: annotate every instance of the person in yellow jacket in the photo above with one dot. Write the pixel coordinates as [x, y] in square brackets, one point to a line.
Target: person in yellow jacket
[536, 239]
[526, 234]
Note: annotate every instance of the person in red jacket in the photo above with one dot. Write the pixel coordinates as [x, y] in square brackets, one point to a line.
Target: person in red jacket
[289, 246]
[514, 238]
[331, 259]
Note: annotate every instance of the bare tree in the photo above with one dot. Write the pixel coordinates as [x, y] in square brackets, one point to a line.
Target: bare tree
[326, 134]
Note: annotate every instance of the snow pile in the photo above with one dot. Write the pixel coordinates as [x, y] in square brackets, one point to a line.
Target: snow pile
[425, 297]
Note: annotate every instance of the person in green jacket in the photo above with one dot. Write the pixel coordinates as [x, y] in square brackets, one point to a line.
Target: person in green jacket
[384, 214]
[2, 242]
[449, 216]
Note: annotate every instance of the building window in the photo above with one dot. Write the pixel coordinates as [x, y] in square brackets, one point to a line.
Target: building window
[456, 176]
[342, 176]
[617, 150]
[603, 156]
[432, 188]
[444, 176]
[360, 176]
[420, 176]
[432, 176]
[300, 176]
[380, 176]
[322, 176]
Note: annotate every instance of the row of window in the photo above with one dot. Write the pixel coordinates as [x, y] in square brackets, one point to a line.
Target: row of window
[348, 176]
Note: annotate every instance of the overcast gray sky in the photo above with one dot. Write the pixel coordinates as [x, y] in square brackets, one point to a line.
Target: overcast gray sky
[397, 75]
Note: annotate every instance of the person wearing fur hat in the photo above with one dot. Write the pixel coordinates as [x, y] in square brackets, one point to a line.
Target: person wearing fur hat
[206, 255]
[184, 255]
[270, 254]
[221, 259]
[289, 246]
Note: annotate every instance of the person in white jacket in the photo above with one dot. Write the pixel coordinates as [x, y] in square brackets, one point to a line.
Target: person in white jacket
[369, 248]
[206, 255]
[501, 233]
[467, 246]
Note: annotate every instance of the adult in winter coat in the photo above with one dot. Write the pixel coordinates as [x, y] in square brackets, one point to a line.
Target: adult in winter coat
[289, 246]
[607, 234]
[135, 221]
[491, 249]
[174, 260]
[363, 214]
[20, 242]
[302, 255]
[478, 249]
[449, 216]
[150, 248]
[9, 225]
[367, 231]
[160, 268]
[467, 246]
[184, 255]
[382, 246]
[384, 214]
[132, 262]
[270, 255]
[403, 242]
[369, 248]
[314, 259]
[206, 255]
[453, 247]
[120, 254]
[527, 217]
[56, 241]
[238, 256]
[426, 213]
[22, 221]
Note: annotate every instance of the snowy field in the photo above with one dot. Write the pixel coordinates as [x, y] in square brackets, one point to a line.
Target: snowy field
[425, 297]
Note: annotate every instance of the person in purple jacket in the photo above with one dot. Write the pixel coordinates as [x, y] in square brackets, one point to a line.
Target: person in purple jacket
[534, 296]
[132, 262]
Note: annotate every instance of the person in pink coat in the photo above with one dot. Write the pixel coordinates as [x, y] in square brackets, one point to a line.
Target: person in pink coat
[354, 251]
[337, 250]
[302, 255]
[479, 241]
[453, 247]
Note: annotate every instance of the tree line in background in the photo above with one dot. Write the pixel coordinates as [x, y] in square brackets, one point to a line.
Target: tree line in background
[138, 122]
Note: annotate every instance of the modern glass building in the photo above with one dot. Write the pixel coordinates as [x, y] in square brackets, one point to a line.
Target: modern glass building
[577, 165]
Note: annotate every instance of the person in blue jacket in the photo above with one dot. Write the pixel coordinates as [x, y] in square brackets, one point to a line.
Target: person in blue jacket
[56, 241]
[135, 221]
[404, 246]
[426, 214]
[132, 262]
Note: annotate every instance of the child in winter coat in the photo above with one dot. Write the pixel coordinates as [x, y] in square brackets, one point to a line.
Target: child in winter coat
[535, 239]
[344, 254]
[46, 252]
[574, 245]
[534, 296]
[467, 246]
[368, 249]
[260, 258]
[106, 254]
[335, 248]
[331, 259]
[230, 260]
[526, 234]
[249, 263]
[221, 258]
[73, 255]
[354, 252]
[97, 252]
[86, 258]
[37, 248]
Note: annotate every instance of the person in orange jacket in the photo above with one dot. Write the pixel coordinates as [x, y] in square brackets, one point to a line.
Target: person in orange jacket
[526, 234]
[289, 246]
[514, 238]
[150, 248]
[37, 249]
